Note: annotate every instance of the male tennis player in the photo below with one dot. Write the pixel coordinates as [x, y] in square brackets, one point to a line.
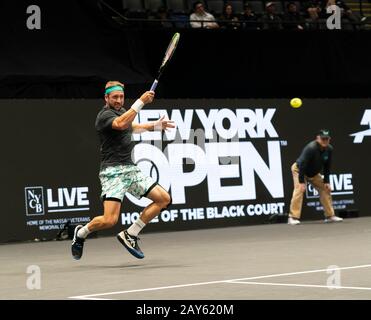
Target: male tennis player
[118, 174]
[316, 155]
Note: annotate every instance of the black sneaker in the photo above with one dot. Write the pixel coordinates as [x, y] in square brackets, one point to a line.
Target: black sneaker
[77, 244]
[130, 243]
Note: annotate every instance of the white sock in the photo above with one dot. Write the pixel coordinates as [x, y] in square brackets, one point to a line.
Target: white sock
[83, 232]
[136, 227]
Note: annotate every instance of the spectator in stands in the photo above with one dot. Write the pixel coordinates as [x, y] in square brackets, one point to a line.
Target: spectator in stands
[292, 18]
[313, 10]
[202, 19]
[229, 17]
[270, 19]
[163, 15]
[249, 19]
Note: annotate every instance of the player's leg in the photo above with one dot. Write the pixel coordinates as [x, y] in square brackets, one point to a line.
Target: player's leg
[129, 238]
[297, 198]
[113, 191]
[325, 198]
[143, 186]
[161, 200]
[107, 220]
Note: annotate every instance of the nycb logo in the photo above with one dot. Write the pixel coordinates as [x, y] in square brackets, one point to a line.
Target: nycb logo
[34, 201]
[341, 184]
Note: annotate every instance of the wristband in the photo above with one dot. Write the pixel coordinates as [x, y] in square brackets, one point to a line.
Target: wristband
[137, 105]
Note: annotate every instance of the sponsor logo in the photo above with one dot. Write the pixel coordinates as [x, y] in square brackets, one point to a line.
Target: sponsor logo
[56, 200]
[34, 199]
[366, 121]
[341, 184]
[222, 152]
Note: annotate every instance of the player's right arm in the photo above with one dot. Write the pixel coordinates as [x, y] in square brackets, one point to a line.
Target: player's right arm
[124, 121]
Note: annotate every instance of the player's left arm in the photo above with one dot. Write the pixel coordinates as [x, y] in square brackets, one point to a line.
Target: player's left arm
[158, 125]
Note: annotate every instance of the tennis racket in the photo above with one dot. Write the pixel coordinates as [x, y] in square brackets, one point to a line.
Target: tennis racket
[169, 53]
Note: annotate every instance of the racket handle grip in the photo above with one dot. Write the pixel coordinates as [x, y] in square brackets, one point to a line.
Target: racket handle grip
[154, 85]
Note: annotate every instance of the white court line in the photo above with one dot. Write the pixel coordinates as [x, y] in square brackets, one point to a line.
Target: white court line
[89, 296]
[299, 285]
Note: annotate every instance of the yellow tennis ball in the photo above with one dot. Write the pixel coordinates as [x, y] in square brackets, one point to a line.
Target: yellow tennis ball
[296, 102]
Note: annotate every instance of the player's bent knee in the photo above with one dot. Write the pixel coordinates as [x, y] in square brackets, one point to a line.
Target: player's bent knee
[166, 201]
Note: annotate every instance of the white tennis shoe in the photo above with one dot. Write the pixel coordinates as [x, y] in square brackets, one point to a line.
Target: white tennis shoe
[333, 219]
[293, 222]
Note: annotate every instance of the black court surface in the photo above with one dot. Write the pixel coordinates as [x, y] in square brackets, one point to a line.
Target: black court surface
[310, 261]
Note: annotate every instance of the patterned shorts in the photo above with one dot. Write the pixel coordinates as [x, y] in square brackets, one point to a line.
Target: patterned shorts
[118, 180]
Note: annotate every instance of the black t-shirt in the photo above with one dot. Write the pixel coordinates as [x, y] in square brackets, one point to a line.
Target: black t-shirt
[116, 145]
[313, 159]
